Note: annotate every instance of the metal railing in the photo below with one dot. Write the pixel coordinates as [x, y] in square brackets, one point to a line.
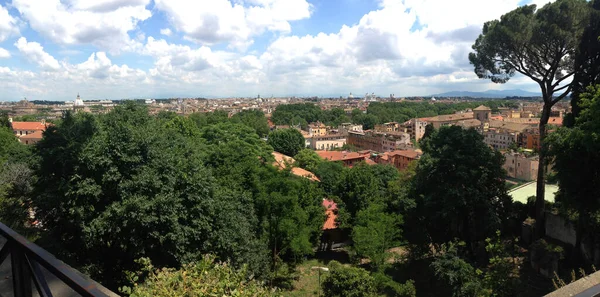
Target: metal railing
[27, 263]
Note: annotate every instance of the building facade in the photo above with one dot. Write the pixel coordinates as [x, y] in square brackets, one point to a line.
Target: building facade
[521, 167]
[327, 142]
[379, 142]
[500, 139]
[28, 132]
[317, 129]
[415, 128]
[400, 159]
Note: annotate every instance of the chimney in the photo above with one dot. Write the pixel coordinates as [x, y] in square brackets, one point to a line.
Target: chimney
[44, 122]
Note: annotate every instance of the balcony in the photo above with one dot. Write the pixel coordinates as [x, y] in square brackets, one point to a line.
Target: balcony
[26, 270]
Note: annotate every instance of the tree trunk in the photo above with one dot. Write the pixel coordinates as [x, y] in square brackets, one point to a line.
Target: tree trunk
[540, 230]
[578, 255]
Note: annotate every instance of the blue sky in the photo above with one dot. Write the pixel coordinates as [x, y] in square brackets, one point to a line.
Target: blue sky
[53, 49]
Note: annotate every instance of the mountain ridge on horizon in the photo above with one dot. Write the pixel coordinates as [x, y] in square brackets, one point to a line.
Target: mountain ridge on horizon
[489, 94]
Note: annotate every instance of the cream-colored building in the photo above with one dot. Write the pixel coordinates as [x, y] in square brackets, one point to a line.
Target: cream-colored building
[500, 139]
[415, 128]
[344, 128]
[317, 129]
[449, 119]
[482, 113]
[387, 127]
[521, 167]
[327, 142]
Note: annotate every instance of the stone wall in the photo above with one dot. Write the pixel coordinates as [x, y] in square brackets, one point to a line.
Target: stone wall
[560, 229]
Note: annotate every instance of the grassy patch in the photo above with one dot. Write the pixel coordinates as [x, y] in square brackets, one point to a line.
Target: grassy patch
[307, 283]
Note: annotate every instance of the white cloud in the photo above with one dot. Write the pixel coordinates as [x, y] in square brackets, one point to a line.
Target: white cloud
[410, 47]
[34, 52]
[221, 21]
[166, 32]
[4, 53]
[104, 24]
[8, 24]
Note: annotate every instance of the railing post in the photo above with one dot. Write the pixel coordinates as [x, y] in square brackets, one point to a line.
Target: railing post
[20, 272]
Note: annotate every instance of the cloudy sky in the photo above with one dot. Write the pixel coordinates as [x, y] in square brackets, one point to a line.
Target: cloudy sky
[53, 49]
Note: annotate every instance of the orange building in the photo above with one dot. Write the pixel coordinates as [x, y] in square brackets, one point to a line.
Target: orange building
[399, 158]
[28, 132]
[348, 158]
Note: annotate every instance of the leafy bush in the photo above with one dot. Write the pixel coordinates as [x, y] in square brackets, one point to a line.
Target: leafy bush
[388, 287]
[348, 282]
[203, 278]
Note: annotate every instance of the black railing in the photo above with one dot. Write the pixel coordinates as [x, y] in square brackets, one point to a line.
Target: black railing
[28, 262]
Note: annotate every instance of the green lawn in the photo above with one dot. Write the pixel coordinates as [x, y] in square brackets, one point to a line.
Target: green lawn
[307, 283]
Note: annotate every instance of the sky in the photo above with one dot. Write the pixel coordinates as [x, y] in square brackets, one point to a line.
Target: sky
[120, 49]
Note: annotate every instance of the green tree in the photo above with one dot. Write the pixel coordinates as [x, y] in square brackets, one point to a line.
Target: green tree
[254, 119]
[4, 122]
[345, 281]
[16, 180]
[308, 160]
[429, 129]
[374, 233]
[103, 186]
[539, 44]
[330, 174]
[457, 277]
[209, 118]
[577, 176]
[205, 277]
[286, 141]
[459, 188]
[358, 187]
[587, 61]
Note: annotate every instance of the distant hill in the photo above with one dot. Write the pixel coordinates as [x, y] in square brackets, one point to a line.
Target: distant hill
[489, 94]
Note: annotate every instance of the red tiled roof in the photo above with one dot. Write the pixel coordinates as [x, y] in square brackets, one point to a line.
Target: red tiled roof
[369, 161]
[339, 156]
[282, 161]
[28, 126]
[405, 153]
[304, 173]
[330, 209]
[555, 121]
[35, 135]
[497, 117]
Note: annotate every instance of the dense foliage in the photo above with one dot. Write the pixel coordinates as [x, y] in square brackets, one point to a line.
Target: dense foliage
[104, 182]
[578, 176]
[539, 44]
[459, 188]
[377, 112]
[287, 141]
[202, 278]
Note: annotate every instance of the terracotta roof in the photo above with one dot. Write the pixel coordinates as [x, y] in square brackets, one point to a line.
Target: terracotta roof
[497, 117]
[511, 126]
[482, 108]
[555, 121]
[405, 153]
[282, 161]
[451, 117]
[339, 156]
[304, 173]
[35, 135]
[330, 211]
[29, 126]
[469, 123]
[369, 161]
